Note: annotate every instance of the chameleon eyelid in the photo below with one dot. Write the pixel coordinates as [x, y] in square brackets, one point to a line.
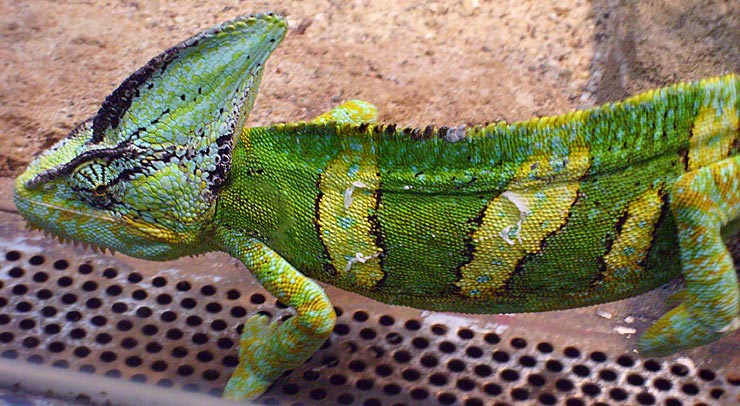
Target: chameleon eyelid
[109, 154]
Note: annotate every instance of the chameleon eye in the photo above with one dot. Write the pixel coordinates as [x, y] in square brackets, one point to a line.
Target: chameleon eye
[92, 182]
[100, 190]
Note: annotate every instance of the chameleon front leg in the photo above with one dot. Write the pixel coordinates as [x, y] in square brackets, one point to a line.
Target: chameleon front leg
[267, 350]
[703, 201]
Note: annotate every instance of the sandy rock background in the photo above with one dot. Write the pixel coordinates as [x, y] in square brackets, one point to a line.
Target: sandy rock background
[425, 62]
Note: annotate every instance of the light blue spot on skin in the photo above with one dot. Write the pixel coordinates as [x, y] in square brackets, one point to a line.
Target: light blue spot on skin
[557, 143]
[353, 170]
[483, 279]
[345, 222]
[474, 292]
[628, 251]
[621, 272]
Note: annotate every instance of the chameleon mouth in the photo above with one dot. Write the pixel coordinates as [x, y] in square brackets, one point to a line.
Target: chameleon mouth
[87, 246]
[26, 208]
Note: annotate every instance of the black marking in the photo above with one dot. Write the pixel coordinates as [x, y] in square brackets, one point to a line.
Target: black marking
[519, 268]
[469, 245]
[108, 154]
[118, 102]
[683, 155]
[608, 244]
[255, 172]
[86, 176]
[376, 230]
[665, 213]
[328, 262]
[465, 184]
[428, 132]
[735, 146]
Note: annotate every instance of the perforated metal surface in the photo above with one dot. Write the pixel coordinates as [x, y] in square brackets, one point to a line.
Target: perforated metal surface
[175, 325]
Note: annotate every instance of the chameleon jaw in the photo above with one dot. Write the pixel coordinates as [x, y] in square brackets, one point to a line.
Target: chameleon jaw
[97, 229]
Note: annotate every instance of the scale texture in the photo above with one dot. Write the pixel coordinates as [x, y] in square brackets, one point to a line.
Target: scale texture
[552, 213]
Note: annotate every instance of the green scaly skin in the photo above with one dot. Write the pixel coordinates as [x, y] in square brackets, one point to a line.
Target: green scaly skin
[553, 213]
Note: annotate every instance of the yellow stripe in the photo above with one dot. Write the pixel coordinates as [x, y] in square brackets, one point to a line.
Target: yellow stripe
[349, 186]
[712, 136]
[631, 245]
[517, 221]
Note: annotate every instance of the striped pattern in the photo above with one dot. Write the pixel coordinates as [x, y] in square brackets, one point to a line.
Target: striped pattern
[479, 219]
[346, 203]
[516, 223]
[625, 259]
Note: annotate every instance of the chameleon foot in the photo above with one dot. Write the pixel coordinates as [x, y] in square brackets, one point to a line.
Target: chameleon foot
[246, 382]
[669, 333]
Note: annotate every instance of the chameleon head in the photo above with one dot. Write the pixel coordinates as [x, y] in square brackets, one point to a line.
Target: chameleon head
[142, 176]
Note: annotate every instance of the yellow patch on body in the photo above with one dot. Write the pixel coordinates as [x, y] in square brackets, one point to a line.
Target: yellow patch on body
[517, 221]
[631, 245]
[713, 134]
[154, 232]
[349, 186]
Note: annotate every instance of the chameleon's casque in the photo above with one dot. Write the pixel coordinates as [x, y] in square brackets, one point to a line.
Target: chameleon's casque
[553, 213]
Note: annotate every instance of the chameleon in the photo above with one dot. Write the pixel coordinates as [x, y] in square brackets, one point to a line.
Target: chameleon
[551, 213]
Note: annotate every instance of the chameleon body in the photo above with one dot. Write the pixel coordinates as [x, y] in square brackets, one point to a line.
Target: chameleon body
[552, 213]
